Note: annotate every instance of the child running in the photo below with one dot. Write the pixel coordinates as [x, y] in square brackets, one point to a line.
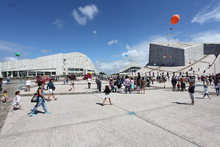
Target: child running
[107, 92]
[206, 91]
[17, 101]
[71, 86]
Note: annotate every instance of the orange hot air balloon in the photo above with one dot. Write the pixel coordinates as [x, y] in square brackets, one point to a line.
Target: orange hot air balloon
[174, 19]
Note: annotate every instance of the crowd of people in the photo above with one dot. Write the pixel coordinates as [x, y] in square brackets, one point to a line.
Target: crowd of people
[120, 84]
[126, 84]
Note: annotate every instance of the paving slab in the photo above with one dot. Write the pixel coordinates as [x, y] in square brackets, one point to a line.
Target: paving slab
[160, 117]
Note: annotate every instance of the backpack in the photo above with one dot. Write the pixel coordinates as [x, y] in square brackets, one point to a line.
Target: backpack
[53, 88]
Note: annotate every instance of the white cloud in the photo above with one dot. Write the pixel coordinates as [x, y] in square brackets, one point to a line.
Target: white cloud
[113, 42]
[58, 23]
[111, 67]
[137, 54]
[11, 46]
[94, 32]
[209, 13]
[206, 37]
[83, 14]
[45, 51]
[9, 59]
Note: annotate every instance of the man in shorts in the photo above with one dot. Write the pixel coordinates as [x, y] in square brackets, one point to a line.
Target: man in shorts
[51, 88]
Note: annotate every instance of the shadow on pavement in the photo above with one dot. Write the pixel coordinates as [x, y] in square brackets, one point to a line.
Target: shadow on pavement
[100, 104]
[199, 98]
[182, 103]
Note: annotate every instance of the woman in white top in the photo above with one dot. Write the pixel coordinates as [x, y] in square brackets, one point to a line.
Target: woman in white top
[28, 85]
[89, 82]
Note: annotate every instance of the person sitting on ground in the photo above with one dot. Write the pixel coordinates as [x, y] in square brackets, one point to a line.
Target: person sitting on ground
[51, 88]
[17, 101]
[107, 92]
[5, 97]
[206, 91]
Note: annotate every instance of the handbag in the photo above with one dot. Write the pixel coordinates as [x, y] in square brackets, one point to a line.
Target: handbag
[34, 99]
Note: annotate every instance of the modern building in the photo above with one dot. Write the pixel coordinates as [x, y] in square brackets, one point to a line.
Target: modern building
[130, 69]
[212, 48]
[57, 64]
[174, 53]
[182, 59]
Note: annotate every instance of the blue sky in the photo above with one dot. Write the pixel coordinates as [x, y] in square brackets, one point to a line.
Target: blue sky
[104, 30]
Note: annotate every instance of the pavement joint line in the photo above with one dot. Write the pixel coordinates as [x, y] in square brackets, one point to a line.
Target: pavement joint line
[58, 127]
[154, 124]
[95, 94]
[12, 125]
[162, 107]
[174, 133]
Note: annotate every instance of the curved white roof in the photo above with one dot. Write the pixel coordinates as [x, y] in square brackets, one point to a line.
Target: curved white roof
[53, 62]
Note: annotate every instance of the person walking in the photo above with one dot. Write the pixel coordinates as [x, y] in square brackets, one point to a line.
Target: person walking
[41, 101]
[71, 86]
[28, 85]
[217, 86]
[183, 83]
[107, 92]
[138, 83]
[127, 84]
[191, 91]
[1, 89]
[99, 84]
[17, 101]
[206, 91]
[143, 84]
[132, 84]
[174, 82]
[51, 88]
[111, 84]
[89, 82]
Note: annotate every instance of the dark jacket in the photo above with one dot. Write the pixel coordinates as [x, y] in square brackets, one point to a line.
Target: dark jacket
[107, 91]
[191, 89]
[50, 86]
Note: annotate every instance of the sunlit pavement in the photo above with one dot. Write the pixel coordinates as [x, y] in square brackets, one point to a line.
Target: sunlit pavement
[160, 117]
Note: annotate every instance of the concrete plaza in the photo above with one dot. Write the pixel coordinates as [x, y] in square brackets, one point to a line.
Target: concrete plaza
[161, 118]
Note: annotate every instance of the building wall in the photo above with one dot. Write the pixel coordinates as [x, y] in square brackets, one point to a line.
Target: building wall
[193, 53]
[173, 56]
[211, 48]
[58, 63]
